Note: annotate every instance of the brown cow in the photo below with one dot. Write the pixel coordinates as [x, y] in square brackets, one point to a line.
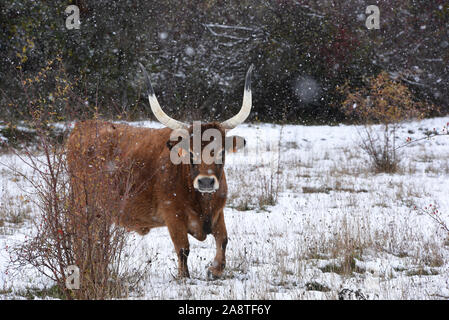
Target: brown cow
[188, 198]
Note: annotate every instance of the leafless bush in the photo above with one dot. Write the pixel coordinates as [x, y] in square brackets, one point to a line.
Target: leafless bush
[73, 232]
[381, 148]
[388, 102]
[76, 214]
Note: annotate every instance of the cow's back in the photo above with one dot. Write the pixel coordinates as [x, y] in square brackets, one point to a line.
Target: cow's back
[110, 162]
[100, 145]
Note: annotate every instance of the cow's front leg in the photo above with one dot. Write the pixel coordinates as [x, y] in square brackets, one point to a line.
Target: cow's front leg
[221, 241]
[178, 234]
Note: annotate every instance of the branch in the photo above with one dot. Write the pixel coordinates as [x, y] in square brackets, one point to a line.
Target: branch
[429, 135]
[223, 35]
[213, 25]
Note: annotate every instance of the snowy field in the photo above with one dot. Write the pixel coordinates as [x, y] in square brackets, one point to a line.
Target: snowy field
[334, 227]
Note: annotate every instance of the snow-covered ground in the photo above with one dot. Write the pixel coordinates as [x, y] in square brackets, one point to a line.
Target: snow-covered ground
[335, 224]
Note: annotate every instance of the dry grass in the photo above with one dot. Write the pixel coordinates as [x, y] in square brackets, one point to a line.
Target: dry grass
[327, 190]
[14, 211]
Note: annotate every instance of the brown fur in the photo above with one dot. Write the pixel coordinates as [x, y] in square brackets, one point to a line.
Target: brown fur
[159, 193]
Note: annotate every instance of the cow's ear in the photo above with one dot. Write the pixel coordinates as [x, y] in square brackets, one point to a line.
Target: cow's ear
[234, 143]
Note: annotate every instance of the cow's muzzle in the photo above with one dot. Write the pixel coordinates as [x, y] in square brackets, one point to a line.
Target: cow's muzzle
[206, 184]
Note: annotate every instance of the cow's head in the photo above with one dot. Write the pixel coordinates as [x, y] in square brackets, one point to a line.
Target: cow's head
[202, 146]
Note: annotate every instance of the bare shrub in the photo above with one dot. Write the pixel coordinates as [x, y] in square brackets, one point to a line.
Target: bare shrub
[75, 222]
[381, 149]
[70, 231]
[387, 102]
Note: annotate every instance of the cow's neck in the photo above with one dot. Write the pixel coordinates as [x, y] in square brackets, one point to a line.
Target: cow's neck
[206, 202]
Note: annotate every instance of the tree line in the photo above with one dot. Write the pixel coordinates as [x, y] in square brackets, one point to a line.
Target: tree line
[197, 53]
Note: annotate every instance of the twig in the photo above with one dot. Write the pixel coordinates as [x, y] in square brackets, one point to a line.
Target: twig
[428, 136]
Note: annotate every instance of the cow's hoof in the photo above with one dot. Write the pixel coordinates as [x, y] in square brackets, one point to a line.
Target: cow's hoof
[214, 274]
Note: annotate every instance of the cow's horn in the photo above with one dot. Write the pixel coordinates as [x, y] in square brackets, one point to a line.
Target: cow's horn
[156, 108]
[246, 105]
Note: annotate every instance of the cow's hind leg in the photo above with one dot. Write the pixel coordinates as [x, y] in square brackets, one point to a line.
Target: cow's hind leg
[178, 234]
[221, 241]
